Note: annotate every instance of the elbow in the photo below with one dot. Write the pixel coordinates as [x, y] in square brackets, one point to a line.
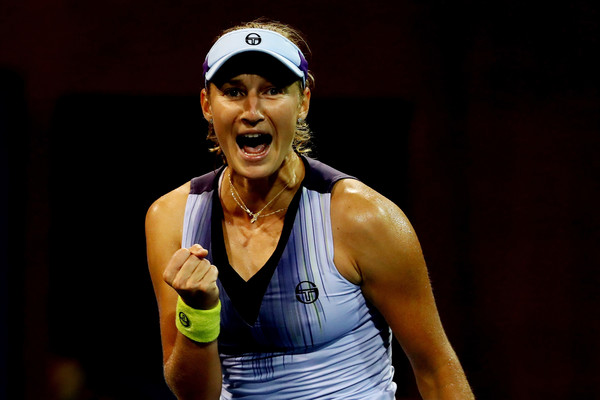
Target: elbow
[448, 382]
[187, 386]
[175, 384]
[193, 370]
[179, 384]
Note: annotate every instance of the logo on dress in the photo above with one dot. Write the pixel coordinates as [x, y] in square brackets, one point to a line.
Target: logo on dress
[307, 292]
[253, 39]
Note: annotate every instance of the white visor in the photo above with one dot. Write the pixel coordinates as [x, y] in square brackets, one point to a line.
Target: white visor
[259, 40]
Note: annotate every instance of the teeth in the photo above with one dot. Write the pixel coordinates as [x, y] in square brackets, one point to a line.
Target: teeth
[251, 136]
[253, 140]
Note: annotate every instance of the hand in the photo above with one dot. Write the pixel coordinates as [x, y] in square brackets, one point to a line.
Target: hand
[193, 277]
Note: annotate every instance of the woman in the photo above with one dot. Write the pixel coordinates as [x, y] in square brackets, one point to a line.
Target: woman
[278, 277]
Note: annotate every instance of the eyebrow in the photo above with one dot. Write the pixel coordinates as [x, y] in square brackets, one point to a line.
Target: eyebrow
[233, 81]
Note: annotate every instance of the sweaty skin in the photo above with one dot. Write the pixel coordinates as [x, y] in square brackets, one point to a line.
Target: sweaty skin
[375, 245]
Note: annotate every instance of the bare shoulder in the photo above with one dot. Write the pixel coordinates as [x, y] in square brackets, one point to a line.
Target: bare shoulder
[370, 231]
[169, 207]
[359, 210]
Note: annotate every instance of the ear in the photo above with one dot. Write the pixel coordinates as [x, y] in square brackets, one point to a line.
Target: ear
[205, 104]
[304, 104]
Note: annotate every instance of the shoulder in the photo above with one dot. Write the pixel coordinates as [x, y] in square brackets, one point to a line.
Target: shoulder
[359, 208]
[168, 209]
[367, 226]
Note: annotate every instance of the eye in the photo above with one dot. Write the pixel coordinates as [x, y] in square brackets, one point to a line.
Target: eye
[274, 91]
[232, 92]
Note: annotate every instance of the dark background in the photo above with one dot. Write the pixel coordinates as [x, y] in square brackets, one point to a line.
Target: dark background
[480, 119]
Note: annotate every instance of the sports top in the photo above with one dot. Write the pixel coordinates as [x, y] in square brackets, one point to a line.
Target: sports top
[297, 329]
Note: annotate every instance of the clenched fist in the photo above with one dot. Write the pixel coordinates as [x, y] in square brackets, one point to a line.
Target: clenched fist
[193, 277]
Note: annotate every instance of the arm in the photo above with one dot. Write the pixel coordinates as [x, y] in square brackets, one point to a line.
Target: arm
[376, 247]
[192, 370]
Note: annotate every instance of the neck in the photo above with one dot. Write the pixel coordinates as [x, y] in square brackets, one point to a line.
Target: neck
[258, 198]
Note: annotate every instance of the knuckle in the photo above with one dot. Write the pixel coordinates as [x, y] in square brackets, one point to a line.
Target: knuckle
[180, 256]
[204, 287]
[180, 283]
[176, 284]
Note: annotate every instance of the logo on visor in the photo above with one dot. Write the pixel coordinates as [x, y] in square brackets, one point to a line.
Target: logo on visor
[253, 39]
[307, 292]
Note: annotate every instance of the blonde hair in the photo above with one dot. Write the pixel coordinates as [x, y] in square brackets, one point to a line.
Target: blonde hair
[302, 136]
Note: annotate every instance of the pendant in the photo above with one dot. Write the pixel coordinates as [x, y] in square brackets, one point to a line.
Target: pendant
[254, 218]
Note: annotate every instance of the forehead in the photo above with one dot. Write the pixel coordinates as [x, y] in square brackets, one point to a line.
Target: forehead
[254, 63]
[248, 80]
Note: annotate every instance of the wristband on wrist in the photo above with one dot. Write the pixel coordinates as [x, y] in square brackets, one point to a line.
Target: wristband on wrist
[201, 326]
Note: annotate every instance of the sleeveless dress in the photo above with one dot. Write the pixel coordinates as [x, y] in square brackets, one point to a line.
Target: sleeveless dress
[297, 329]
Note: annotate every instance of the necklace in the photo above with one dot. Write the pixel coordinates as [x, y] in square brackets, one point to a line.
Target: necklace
[256, 215]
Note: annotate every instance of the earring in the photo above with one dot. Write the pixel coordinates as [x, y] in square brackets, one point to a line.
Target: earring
[300, 121]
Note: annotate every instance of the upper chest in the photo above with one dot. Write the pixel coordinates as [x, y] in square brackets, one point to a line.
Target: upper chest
[250, 246]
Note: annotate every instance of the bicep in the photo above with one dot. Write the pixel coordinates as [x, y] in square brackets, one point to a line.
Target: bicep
[399, 287]
[379, 241]
[163, 239]
[396, 282]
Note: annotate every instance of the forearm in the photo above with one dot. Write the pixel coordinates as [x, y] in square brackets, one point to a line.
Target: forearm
[193, 370]
[445, 383]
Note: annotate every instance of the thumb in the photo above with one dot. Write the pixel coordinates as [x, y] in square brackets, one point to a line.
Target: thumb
[198, 251]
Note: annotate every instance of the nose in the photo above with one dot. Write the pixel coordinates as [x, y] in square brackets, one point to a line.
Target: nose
[252, 113]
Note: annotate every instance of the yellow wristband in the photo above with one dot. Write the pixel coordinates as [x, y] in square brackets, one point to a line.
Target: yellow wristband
[201, 326]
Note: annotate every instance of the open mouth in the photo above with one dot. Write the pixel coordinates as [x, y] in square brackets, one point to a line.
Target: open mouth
[254, 143]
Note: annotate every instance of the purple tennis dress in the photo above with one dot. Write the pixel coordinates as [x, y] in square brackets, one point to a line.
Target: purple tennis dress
[297, 329]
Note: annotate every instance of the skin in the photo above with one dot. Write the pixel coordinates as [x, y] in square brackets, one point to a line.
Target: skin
[364, 224]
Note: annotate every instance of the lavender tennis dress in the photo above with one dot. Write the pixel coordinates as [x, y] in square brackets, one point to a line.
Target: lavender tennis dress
[297, 329]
